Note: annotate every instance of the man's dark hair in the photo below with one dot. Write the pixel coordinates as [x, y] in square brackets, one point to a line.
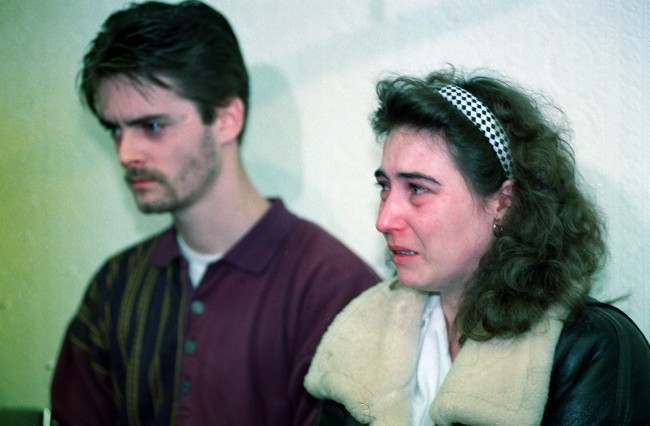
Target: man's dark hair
[189, 48]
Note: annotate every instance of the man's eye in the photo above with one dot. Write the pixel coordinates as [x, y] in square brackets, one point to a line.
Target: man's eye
[153, 127]
[114, 132]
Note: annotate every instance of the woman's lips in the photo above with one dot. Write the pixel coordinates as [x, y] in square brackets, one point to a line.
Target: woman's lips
[401, 254]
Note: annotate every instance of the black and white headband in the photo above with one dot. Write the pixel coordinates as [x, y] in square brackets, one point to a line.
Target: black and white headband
[482, 118]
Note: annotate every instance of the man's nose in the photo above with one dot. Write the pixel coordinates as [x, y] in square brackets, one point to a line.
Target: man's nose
[130, 149]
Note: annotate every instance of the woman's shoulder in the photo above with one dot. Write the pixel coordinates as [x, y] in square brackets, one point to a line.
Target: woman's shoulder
[601, 359]
[602, 334]
[600, 323]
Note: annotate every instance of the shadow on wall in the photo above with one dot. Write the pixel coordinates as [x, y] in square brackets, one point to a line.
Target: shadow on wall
[272, 144]
[626, 271]
[389, 33]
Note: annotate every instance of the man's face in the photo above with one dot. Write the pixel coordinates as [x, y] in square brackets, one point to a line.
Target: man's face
[169, 155]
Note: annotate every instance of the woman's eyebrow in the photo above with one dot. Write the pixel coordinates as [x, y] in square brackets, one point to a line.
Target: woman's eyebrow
[418, 176]
[380, 174]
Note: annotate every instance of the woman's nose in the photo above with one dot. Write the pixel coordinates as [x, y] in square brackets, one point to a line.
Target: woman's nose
[389, 217]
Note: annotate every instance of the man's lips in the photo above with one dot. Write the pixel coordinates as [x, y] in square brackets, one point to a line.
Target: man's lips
[138, 183]
[140, 178]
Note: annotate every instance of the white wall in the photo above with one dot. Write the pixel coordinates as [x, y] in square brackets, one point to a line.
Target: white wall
[313, 65]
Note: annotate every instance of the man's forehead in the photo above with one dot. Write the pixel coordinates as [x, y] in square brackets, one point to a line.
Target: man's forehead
[125, 86]
[121, 97]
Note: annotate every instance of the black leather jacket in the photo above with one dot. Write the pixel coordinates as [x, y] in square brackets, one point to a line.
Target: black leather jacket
[601, 374]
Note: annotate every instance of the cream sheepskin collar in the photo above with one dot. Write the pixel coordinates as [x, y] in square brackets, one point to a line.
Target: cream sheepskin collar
[367, 357]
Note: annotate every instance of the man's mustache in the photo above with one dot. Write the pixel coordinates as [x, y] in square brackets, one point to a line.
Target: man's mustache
[142, 174]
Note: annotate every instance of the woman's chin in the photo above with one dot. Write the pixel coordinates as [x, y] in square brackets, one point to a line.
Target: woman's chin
[414, 283]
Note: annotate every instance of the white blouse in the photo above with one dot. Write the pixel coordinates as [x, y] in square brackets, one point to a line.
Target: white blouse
[433, 362]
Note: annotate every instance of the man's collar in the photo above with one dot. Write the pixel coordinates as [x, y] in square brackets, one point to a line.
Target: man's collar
[252, 252]
[166, 248]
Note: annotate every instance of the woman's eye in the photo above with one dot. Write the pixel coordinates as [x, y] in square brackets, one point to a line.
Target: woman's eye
[417, 189]
[383, 189]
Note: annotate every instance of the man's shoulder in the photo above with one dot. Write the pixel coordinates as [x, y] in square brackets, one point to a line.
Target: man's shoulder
[315, 242]
[307, 233]
[138, 252]
[124, 268]
[310, 250]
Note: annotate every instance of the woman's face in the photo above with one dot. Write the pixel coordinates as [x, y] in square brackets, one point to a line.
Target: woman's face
[436, 228]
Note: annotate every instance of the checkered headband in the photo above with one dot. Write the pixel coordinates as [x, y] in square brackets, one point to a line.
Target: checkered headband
[482, 118]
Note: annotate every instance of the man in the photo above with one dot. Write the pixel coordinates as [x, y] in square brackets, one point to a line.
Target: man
[214, 321]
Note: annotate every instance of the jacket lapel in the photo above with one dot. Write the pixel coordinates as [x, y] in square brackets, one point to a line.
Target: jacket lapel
[367, 357]
[501, 381]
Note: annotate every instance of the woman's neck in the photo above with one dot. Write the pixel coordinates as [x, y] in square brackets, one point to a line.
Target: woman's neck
[449, 309]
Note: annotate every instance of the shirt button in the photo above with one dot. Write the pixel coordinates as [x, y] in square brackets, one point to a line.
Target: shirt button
[190, 346]
[197, 307]
[186, 387]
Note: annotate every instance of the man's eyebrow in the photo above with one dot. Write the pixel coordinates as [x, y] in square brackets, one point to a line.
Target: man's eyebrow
[106, 123]
[146, 119]
[134, 122]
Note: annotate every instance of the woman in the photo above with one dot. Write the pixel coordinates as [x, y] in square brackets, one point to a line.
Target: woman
[489, 319]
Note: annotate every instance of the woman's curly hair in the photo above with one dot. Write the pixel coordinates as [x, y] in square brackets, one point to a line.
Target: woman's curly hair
[552, 243]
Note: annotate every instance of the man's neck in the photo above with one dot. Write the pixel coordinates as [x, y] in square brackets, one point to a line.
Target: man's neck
[228, 211]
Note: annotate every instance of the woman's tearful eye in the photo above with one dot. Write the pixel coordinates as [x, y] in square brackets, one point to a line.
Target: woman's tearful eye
[383, 189]
[417, 189]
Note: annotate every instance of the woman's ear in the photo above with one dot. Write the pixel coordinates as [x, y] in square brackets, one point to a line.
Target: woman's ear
[229, 122]
[504, 198]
